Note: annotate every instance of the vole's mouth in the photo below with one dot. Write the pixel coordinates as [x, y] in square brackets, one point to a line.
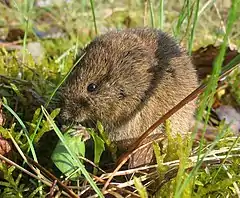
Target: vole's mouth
[72, 122]
[70, 119]
[88, 123]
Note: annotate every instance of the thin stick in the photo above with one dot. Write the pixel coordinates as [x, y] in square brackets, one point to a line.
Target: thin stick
[63, 186]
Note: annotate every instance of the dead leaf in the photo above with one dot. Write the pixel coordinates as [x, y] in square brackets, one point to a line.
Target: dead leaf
[15, 34]
[204, 57]
[5, 146]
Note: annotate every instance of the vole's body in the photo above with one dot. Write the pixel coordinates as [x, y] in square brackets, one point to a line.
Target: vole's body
[135, 76]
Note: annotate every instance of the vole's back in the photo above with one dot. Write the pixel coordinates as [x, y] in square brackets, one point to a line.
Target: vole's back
[138, 75]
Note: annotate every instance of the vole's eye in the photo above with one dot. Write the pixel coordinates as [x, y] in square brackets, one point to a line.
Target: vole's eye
[91, 87]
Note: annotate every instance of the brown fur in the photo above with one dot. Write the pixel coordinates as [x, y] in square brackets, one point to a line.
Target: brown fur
[140, 74]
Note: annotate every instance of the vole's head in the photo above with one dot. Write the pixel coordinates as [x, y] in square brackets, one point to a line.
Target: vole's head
[111, 81]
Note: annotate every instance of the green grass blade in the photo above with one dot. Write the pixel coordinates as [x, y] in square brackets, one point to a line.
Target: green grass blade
[151, 13]
[161, 14]
[181, 18]
[195, 19]
[94, 17]
[24, 129]
[28, 6]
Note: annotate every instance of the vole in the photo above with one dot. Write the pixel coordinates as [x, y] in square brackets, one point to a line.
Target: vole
[127, 80]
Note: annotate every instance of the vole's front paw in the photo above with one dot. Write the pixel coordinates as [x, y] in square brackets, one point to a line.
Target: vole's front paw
[77, 130]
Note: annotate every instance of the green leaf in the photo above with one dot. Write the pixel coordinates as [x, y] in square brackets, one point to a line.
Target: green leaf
[62, 158]
[36, 115]
[98, 147]
[55, 112]
[172, 147]
[46, 126]
[17, 91]
[111, 146]
[140, 188]
[198, 183]
[161, 168]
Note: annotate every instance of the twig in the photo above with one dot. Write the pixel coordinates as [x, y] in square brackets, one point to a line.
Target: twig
[23, 169]
[50, 175]
[51, 194]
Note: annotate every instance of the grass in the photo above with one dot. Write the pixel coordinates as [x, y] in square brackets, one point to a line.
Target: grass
[210, 170]
[208, 96]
